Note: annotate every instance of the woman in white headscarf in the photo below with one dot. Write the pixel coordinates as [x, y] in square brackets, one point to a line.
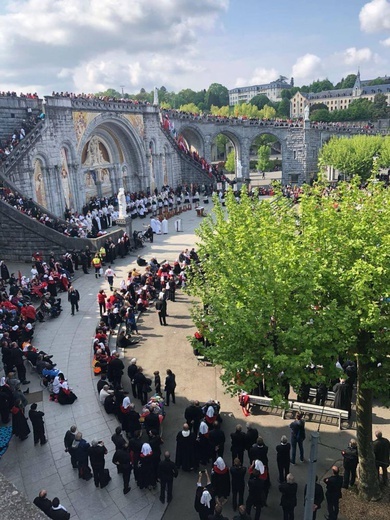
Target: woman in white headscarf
[204, 497]
[146, 472]
[203, 446]
[220, 480]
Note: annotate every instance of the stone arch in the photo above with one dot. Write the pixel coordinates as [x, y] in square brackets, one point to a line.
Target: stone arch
[193, 137]
[124, 148]
[241, 149]
[279, 146]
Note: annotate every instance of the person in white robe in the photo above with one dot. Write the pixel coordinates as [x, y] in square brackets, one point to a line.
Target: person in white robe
[164, 226]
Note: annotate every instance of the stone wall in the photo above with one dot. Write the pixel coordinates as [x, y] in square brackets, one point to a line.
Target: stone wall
[13, 504]
[12, 112]
[20, 236]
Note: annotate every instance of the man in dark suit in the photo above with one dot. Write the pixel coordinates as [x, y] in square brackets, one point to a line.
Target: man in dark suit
[42, 502]
[251, 436]
[68, 442]
[238, 443]
[166, 472]
[333, 493]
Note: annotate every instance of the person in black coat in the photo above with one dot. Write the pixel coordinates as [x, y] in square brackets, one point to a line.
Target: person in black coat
[73, 298]
[118, 439]
[36, 418]
[288, 499]
[217, 441]
[350, 462]
[96, 453]
[115, 370]
[238, 439]
[283, 458]
[256, 494]
[122, 460]
[161, 308]
[57, 511]
[343, 396]
[251, 436]
[382, 455]
[237, 474]
[259, 451]
[193, 415]
[131, 371]
[20, 427]
[298, 435]
[166, 472]
[170, 385]
[185, 449]
[68, 442]
[333, 493]
[141, 383]
[42, 502]
[318, 498]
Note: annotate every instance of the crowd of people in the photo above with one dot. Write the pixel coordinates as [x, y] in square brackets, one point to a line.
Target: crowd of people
[7, 145]
[18, 317]
[94, 97]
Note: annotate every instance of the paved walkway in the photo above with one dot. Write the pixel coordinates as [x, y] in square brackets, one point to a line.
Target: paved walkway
[68, 338]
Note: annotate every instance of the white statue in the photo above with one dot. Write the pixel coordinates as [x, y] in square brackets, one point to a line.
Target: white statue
[155, 96]
[239, 169]
[122, 203]
[306, 113]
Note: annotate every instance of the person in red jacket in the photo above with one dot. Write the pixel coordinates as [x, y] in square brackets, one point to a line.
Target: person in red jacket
[101, 297]
[29, 313]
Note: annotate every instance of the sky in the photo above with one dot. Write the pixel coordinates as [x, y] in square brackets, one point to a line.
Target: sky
[91, 45]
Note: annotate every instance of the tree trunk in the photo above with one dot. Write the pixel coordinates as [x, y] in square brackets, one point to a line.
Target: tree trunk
[368, 479]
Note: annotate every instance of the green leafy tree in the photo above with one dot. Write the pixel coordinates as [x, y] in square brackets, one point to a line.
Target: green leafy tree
[380, 107]
[320, 291]
[230, 164]
[321, 114]
[263, 155]
[318, 106]
[283, 108]
[190, 108]
[217, 95]
[260, 101]
[348, 82]
[353, 155]
[361, 109]
[321, 85]
[267, 112]
[379, 81]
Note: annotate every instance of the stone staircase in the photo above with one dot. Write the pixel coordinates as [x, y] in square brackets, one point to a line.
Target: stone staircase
[21, 149]
[205, 177]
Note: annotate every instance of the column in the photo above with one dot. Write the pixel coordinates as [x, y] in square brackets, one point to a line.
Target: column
[207, 148]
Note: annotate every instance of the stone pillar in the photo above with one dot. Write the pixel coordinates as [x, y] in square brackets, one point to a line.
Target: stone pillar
[207, 148]
[125, 225]
[59, 204]
[245, 157]
[99, 188]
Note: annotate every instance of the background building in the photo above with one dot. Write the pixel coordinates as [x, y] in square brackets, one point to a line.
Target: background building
[338, 99]
[272, 90]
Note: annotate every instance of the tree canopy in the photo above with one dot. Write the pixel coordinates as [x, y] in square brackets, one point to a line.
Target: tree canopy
[263, 155]
[283, 290]
[355, 155]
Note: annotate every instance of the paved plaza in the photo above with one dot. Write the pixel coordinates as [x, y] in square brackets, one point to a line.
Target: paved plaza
[68, 338]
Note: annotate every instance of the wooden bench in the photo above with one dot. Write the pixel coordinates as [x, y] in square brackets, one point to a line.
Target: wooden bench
[304, 408]
[330, 395]
[312, 409]
[258, 400]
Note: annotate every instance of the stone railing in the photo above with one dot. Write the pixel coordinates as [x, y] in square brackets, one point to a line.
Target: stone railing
[109, 106]
[19, 151]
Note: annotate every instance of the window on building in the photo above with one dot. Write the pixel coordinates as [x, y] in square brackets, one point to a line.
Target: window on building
[295, 154]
